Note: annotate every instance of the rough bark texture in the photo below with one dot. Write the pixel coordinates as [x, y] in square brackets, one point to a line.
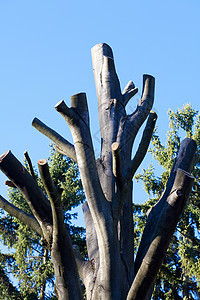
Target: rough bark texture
[109, 271]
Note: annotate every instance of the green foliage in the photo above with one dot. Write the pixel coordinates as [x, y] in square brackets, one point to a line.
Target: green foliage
[30, 261]
[179, 275]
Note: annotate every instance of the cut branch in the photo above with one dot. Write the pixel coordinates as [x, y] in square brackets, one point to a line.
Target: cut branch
[66, 274]
[129, 91]
[53, 194]
[162, 235]
[62, 145]
[79, 105]
[10, 184]
[16, 212]
[129, 125]
[65, 111]
[145, 103]
[29, 164]
[143, 146]
[110, 110]
[117, 170]
[106, 79]
[100, 208]
[21, 178]
[84, 150]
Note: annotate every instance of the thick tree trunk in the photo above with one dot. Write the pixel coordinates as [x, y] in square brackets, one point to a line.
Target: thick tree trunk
[108, 273]
[162, 235]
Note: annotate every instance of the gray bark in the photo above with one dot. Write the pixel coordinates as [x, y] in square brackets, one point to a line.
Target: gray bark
[183, 161]
[108, 273]
[47, 220]
[162, 235]
[21, 178]
[67, 281]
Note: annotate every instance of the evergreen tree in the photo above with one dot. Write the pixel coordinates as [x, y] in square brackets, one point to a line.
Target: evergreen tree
[179, 276]
[30, 261]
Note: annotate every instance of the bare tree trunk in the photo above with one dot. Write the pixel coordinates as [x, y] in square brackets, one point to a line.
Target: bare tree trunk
[162, 235]
[109, 271]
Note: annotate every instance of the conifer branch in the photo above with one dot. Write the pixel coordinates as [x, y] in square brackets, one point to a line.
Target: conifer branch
[11, 290]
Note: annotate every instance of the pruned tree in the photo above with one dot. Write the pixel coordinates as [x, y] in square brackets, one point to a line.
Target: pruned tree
[109, 271]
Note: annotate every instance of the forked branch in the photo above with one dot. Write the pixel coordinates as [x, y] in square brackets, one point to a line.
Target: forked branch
[100, 208]
[78, 121]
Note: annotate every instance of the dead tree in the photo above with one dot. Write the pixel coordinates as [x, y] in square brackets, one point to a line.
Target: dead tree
[109, 272]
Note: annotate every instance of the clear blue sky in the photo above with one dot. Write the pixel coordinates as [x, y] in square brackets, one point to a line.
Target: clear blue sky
[45, 57]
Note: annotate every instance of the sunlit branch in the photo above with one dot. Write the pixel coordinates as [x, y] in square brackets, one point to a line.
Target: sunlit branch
[143, 146]
[129, 91]
[62, 144]
[117, 170]
[10, 184]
